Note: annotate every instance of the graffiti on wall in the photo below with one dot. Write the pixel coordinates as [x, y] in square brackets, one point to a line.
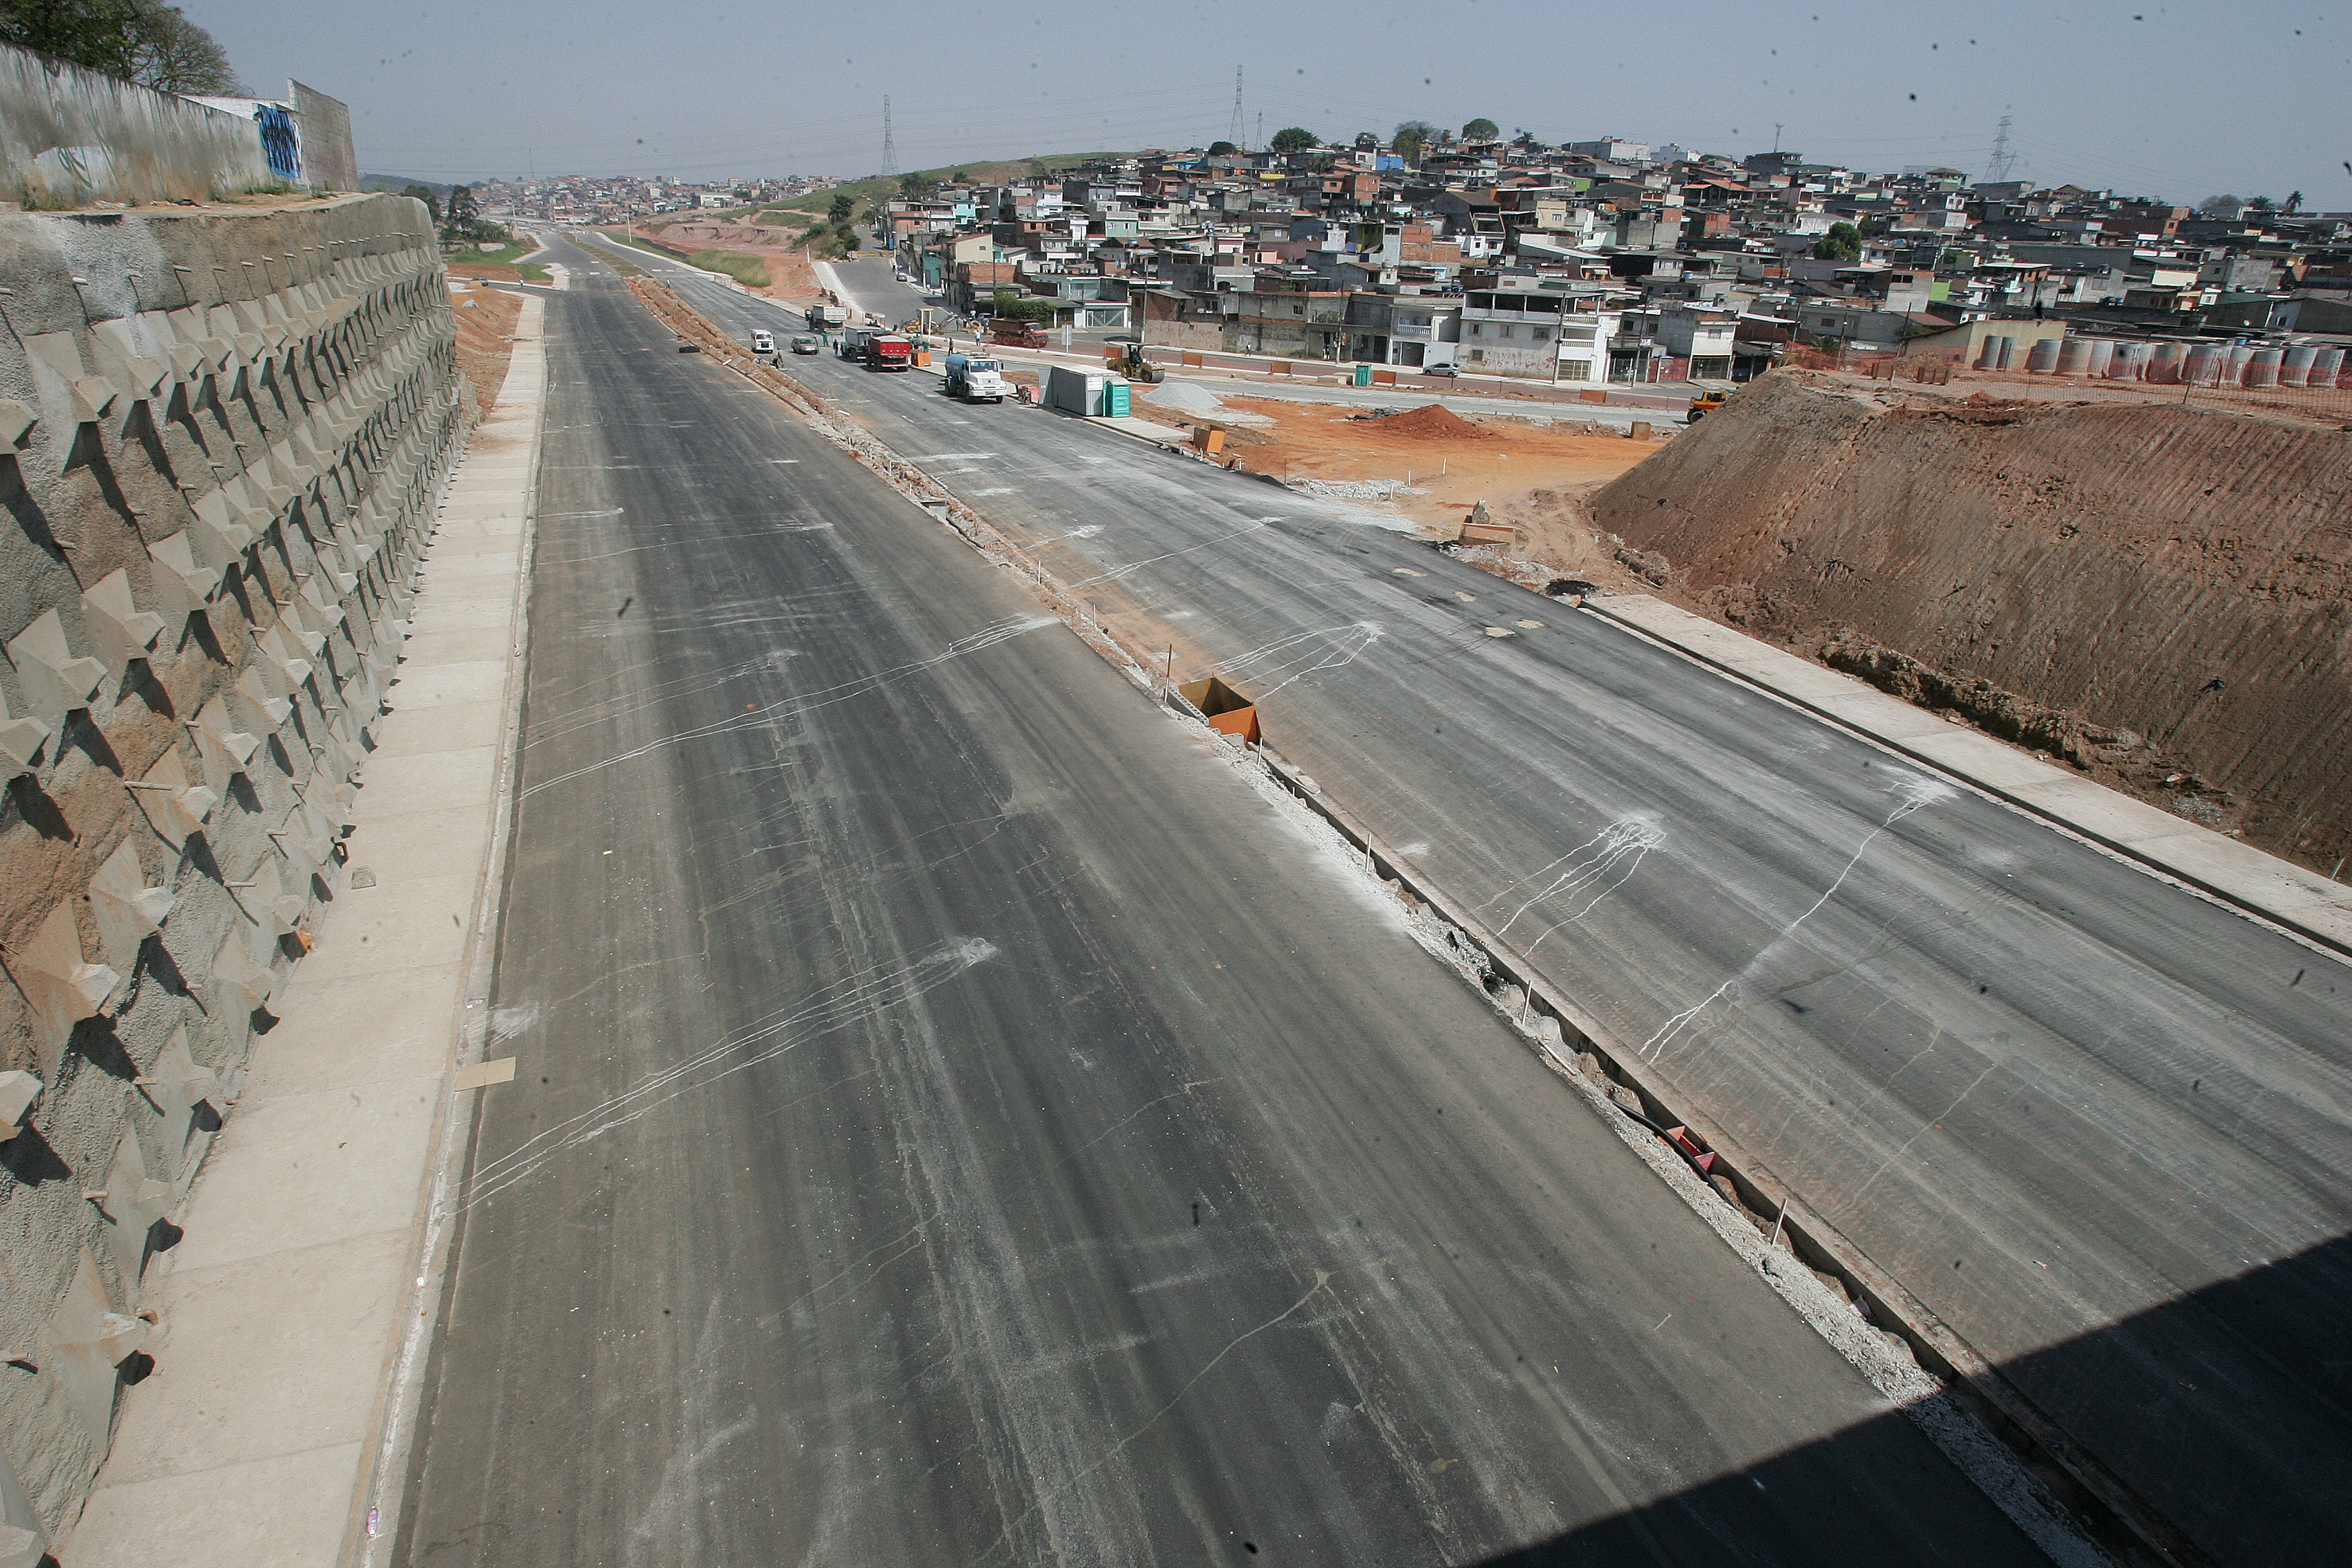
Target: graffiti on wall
[279, 142]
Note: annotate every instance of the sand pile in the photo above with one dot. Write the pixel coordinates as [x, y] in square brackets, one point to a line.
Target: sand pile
[1432, 422]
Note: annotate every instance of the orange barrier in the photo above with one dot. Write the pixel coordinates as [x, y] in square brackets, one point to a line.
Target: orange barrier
[1227, 710]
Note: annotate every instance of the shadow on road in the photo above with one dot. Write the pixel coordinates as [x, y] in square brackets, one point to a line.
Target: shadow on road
[2247, 1474]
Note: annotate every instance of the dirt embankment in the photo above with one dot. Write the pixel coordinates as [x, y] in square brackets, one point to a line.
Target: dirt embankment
[2158, 594]
[486, 323]
[1434, 465]
[789, 275]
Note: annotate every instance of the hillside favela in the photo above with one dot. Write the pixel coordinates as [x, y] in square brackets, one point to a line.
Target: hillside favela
[1353, 826]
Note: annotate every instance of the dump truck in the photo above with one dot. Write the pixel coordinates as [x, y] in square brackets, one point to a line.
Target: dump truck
[822, 317]
[1016, 334]
[975, 379]
[889, 350]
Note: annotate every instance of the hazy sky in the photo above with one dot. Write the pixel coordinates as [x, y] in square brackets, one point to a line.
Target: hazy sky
[2179, 102]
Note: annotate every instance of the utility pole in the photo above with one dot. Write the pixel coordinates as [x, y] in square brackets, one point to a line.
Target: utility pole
[2003, 161]
[1234, 134]
[1260, 129]
[889, 145]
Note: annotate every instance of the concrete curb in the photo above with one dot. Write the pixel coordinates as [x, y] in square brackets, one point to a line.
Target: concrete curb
[2233, 874]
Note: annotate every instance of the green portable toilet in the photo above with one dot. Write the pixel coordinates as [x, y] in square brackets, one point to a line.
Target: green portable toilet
[1363, 375]
[1115, 401]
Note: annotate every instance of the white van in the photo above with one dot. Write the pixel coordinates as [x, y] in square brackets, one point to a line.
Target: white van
[764, 341]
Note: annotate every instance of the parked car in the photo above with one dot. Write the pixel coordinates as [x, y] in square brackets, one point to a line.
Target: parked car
[1439, 370]
[805, 343]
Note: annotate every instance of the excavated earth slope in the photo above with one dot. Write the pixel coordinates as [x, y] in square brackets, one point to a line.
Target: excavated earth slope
[2156, 593]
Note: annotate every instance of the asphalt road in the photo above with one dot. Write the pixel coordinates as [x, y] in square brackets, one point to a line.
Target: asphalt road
[960, 1118]
[2099, 1125]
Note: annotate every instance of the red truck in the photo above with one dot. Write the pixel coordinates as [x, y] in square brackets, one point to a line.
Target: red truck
[887, 351]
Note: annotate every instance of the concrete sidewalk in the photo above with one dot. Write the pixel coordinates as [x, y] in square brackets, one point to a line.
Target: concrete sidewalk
[2236, 873]
[272, 1422]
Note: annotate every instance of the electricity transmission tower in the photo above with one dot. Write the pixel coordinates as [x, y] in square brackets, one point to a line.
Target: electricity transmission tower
[2003, 161]
[1234, 133]
[889, 145]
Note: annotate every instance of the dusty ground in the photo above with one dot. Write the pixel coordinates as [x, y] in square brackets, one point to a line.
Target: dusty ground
[486, 319]
[790, 276]
[1432, 467]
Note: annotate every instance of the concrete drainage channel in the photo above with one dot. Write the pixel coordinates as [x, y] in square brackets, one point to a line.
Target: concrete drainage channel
[2070, 1507]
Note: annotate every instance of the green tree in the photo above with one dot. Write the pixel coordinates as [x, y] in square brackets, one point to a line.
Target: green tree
[1480, 131]
[2262, 204]
[1412, 136]
[102, 35]
[916, 187]
[1293, 139]
[459, 218]
[1222, 149]
[142, 41]
[2294, 203]
[425, 193]
[838, 212]
[1956, 260]
[1842, 243]
[174, 54]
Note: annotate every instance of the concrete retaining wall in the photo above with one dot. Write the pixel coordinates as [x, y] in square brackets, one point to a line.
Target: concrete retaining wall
[221, 440]
[69, 137]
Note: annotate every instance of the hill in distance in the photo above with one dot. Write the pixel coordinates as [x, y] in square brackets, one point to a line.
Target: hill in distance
[396, 184]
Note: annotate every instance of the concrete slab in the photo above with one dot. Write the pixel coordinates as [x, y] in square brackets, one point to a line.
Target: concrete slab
[304, 1169]
[431, 686]
[475, 569]
[453, 613]
[401, 924]
[1986, 761]
[336, 1033]
[288, 1509]
[443, 727]
[456, 645]
[2098, 810]
[1882, 716]
[403, 845]
[259, 1392]
[394, 786]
